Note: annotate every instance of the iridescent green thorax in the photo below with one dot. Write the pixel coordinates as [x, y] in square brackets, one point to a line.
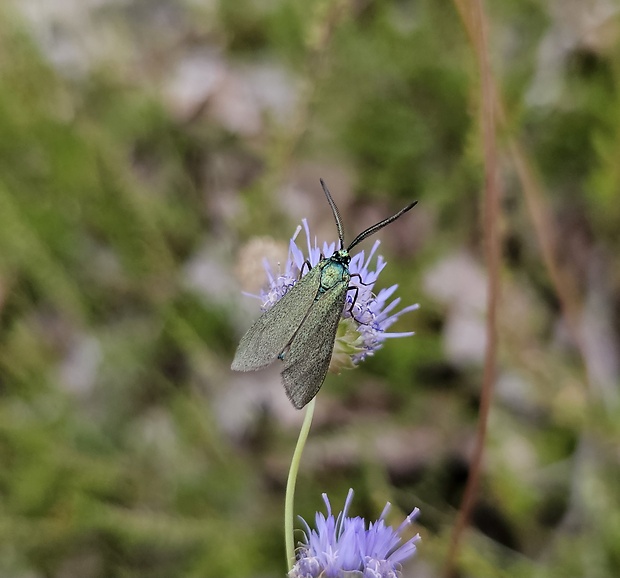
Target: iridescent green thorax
[334, 270]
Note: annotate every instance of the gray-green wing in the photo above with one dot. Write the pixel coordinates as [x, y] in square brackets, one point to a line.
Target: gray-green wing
[306, 361]
[275, 328]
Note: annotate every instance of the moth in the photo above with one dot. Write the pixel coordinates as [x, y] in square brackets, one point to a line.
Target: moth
[300, 329]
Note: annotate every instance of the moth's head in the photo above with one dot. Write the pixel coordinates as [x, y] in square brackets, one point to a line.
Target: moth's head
[342, 256]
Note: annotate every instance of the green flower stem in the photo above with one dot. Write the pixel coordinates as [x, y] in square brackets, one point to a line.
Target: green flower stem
[289, 502]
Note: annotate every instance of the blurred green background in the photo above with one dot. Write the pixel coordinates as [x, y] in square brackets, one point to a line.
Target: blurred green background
[144, 144]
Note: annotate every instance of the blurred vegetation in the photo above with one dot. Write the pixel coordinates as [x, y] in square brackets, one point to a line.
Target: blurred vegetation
[144, 143]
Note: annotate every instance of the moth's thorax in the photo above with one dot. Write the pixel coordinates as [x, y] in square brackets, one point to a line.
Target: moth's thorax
[335, 270]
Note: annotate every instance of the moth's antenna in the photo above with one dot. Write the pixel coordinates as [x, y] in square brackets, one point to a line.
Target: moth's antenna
[336, 214]
[372, 230]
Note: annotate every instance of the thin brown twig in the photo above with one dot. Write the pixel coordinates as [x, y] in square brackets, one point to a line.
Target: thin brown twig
[474, 18]
[538, 210]
[563, 283]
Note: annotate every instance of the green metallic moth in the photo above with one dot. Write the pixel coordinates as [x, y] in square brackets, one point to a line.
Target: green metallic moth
[300, 329]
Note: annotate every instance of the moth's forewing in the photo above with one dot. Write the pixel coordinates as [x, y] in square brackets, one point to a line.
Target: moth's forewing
[307, 358]
[275, 328]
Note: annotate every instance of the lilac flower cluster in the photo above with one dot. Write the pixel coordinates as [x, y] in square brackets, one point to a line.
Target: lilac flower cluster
[344, 546]
[365, 320]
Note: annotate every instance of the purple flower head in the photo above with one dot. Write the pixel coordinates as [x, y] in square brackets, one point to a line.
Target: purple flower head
[366, 317]
[344, 547]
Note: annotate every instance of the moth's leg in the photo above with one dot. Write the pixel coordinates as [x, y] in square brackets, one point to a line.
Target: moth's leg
[360, 279]
[357, 290]
[301, 271]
